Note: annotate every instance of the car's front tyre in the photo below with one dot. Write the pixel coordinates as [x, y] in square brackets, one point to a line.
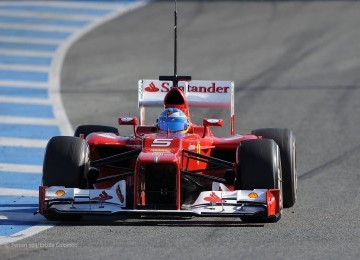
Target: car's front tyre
[259, 167]
[88, 129]
[285, 139]
[66, 163]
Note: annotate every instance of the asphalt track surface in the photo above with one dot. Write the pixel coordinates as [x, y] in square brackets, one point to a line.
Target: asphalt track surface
[295, 64]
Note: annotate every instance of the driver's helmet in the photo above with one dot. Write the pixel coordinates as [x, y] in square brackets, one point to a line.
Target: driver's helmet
[173, 120]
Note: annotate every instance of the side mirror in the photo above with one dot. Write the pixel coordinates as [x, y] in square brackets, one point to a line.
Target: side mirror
[129, 121]
[211, 122]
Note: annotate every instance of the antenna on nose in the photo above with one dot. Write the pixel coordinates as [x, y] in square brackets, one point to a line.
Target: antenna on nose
[175, 78]
[175, 39]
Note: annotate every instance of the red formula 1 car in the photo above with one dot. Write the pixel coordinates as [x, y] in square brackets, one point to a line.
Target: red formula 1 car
[172, 167]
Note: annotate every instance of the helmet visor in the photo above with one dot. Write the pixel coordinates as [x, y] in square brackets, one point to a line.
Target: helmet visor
[172, 125]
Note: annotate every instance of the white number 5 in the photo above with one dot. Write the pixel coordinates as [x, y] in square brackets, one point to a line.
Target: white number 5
[161, 142]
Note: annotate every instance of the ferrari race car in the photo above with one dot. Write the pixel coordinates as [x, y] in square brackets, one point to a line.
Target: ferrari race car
[161, 170]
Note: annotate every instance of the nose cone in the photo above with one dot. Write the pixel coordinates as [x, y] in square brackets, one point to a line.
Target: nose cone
[176, 98]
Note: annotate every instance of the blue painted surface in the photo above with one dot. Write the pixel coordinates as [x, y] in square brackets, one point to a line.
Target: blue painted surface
[14, 208]
[18, 75]
[21, 155]
[24, 92]
[9, 227]
[26, 33]
[28, 131]
[19, 209]
[38, 20]
[56, 9]
[24, 60]
[26, 110]
[17, 206]
[41, 47]
[14, 202]
[17, 180]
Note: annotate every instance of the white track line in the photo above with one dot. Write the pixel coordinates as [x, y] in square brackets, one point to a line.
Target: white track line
[24, 233]
[89, 5]
[5, 167]
[18, 192]
[32, 101]
[25, 53]
[23, 142]
[27, 120]
[70, 16]
[39, 27]
[34, 68]
[24, 84]
[30, 40]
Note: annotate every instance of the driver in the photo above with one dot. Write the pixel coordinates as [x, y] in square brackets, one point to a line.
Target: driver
[173, 120]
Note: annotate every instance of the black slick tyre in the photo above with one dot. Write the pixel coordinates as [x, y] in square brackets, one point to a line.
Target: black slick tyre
[285, 139]
[259, 167]
[88, 129]
[66, 163]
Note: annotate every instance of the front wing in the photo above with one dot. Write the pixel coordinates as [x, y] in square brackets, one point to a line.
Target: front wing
[61, 200]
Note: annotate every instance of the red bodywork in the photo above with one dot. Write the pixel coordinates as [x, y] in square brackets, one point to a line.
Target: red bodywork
[158, 180]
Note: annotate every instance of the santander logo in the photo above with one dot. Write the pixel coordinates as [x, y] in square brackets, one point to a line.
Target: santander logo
[211, 89]
[152, 88]
[213, 198]
[102, 197]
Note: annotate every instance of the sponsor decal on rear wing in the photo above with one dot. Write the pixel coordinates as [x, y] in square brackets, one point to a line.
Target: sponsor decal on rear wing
[199, 93]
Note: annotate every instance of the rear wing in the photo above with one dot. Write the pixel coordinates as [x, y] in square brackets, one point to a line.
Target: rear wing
[199, 93]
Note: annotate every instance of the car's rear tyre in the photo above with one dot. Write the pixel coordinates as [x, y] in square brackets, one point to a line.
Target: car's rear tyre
[66, 163]
[259, 167]
[285, 139]
[88, 129]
